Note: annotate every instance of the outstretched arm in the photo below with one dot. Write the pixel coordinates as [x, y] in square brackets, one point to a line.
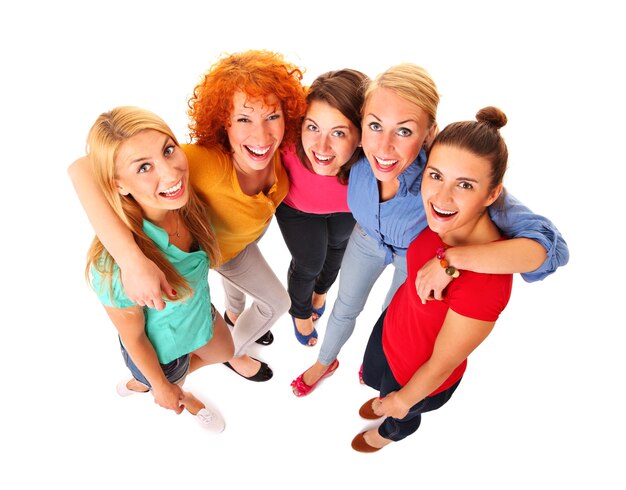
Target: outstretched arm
[143, 280]
[130, 324]
[536, 249]
[458, 337]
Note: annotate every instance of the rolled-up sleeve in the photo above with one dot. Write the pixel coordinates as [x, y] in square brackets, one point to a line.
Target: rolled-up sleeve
[517, 221]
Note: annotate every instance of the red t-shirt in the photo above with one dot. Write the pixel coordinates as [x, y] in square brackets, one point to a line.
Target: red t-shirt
[411, 328]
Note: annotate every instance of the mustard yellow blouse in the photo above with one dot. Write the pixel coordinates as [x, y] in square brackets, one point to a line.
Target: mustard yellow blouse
[238, 219]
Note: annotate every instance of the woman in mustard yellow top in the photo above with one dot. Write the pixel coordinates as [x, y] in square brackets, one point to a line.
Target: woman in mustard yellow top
[247, 105]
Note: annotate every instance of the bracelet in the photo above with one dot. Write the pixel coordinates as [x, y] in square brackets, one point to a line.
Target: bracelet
[452, 271]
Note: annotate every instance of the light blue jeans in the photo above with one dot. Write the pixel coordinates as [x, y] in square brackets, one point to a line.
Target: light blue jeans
[362, 265]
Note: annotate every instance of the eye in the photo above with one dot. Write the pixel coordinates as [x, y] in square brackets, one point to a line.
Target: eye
[466, 185]
[169, 150]
[434, 176]
[404, 132]
[273, 117]
[374, 126]
[242, 119]
[311, 127]
[339, 134]
[143, 168]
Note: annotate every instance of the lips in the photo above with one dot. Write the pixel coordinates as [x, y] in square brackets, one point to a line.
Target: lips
[323, 160]
[258, 152]
[385, 164]
[173, 192]
[442, 213]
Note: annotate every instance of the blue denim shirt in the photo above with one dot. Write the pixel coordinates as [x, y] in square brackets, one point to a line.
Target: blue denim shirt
[394, 224]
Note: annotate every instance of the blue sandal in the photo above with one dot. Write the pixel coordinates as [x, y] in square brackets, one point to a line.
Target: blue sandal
[303, 339]
[319, 311]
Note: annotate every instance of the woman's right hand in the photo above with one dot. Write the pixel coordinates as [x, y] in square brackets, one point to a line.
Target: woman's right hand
[168, 395]
[144, 283]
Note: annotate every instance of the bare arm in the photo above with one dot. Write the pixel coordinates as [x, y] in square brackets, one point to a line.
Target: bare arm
[516, 255]
[458, 337]
[142, 279]
[129, 323]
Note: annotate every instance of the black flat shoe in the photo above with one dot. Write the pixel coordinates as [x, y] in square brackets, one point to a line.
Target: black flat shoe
[263, 374]
[266, 339]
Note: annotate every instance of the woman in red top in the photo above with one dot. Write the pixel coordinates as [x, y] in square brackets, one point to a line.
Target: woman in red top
[418, 350]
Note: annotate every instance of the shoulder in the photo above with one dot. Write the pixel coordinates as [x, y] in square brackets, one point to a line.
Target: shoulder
[206, 164]
[480, 296]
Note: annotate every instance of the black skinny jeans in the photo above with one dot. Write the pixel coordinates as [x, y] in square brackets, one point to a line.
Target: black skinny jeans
[317, 243]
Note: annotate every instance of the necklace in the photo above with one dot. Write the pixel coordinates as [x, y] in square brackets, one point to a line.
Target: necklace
[177, 232]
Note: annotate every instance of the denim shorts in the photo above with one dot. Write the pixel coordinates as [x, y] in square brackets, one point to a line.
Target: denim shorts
[174, 371]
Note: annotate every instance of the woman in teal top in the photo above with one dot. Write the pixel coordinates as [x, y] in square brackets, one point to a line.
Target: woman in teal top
[144, 175]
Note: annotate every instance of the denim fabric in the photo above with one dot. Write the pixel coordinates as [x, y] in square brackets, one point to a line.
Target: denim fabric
[363, 263]
[174, 371]
[317, 243]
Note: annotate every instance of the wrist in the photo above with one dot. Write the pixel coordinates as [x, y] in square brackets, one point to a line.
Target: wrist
[131, 257]
[443, 255]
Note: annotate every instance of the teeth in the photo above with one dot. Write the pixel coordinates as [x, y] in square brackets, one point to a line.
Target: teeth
[173, 190]
[441, 211]
[385, 163]
[321, 158]
[257, 151]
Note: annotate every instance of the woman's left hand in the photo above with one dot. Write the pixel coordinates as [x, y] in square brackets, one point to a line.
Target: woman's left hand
[431, 280]
[391, 406]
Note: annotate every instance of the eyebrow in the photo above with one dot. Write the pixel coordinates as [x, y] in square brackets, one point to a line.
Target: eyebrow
[333, 127]
[398, 123]
[165, 144]
[465, 179]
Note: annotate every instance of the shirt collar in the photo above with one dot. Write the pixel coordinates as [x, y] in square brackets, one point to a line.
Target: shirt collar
[411, 174]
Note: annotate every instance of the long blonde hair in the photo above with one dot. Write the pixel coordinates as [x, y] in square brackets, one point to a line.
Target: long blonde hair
[110, 130]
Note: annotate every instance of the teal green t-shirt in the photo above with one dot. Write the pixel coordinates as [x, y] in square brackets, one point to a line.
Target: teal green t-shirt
[182, 326]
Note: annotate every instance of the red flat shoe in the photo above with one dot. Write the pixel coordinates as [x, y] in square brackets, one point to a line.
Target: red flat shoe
[300, 388]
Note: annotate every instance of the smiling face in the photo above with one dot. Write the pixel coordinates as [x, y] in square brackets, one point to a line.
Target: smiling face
[150, 167]
[329, 138]
[456, 191]
[255, 131]
[394, 131]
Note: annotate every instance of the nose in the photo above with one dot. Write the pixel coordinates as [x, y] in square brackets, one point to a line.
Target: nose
[168, 171]
[323, 143]
[385, 143]
[444, 193]
[259, 133]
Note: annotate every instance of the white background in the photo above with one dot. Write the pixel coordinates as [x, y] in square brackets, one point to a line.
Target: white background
[541, 403]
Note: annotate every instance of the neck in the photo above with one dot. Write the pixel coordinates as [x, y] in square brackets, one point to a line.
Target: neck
[481, 231]
[388, 190]
[163, 218]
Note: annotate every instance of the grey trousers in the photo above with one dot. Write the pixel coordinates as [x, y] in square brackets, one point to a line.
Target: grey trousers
[248, 274]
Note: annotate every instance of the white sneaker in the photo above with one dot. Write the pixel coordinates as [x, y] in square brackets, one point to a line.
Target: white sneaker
[210, 420]
[122, 389]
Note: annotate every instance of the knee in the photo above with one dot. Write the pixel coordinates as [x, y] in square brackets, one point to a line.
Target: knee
[283, 303]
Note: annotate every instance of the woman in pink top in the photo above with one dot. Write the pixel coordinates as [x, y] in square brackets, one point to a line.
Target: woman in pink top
[314, 218]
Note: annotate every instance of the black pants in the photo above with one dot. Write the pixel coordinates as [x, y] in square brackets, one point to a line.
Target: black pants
[317, 243]
[378, 375]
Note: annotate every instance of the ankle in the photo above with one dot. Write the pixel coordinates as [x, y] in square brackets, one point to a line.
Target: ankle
[304, 325]
[318, 300]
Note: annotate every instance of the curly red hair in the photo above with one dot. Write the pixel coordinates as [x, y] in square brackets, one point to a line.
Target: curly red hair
[257, 73]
